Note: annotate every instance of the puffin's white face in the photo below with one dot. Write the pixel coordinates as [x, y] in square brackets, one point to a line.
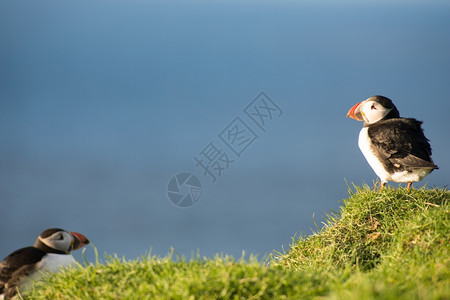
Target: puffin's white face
[372, 111]
[60, 240]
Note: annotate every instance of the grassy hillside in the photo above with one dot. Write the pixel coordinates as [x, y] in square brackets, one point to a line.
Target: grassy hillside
[388, 244]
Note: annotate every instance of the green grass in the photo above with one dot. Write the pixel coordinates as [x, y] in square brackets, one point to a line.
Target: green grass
[384, 244]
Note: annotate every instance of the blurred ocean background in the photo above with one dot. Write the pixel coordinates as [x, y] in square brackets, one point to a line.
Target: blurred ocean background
[103, 102]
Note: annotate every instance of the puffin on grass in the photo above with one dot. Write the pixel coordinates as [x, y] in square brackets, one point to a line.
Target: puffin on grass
[50, 252]
[396, 148]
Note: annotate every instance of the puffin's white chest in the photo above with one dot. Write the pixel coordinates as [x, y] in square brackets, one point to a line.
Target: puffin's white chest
[53, 262]
[50, 263]
[365, 145]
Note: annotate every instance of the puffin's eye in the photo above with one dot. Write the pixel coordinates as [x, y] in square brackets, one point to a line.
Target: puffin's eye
[373, 107]
[60, 236]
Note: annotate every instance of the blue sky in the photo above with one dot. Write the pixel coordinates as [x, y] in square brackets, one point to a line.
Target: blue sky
[102, 102]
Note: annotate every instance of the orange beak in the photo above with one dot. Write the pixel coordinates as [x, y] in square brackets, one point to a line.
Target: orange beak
[355, 112]
[79, 240]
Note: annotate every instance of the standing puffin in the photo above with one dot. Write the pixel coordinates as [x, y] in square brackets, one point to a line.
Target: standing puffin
[50, 252]
[395, 147]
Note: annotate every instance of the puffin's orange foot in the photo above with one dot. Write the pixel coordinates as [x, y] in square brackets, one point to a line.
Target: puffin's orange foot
[383, 185]
[409, 185]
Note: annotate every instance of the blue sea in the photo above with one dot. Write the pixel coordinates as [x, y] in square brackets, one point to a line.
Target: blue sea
[102, 104]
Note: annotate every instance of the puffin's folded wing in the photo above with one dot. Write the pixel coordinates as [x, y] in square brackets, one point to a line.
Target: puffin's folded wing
[402, 142]
[17, 279]
[412, 161]
[17, 266]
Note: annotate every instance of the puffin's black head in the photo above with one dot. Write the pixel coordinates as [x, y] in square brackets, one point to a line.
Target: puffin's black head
[374, 109]
[387, 103]
[57, 240]
[48, 232]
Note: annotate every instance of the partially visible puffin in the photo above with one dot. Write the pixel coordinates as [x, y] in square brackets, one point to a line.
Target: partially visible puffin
[395, 147]
[50, 252]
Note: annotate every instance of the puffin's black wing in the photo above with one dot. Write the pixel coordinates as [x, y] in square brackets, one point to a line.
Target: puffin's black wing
[17, 266]
[402, 142]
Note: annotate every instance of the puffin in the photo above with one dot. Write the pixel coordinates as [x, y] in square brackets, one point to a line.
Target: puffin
[395, 147]
[50, 252]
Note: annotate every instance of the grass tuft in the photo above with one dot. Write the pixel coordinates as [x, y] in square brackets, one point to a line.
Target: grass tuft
[382, 244]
